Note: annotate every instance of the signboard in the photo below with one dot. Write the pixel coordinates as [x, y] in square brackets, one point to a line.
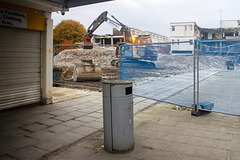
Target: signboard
[115, 25]
[13, 18]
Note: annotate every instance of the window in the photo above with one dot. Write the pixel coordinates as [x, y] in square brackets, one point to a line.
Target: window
[230, 34]
[191, 42]
[173, 28]
[213, 36]
[185, 28]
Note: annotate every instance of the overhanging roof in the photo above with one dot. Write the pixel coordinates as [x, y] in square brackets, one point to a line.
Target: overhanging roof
[75, 3]
[52, 5]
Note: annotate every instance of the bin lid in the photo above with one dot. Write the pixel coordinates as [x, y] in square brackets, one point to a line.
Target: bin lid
[117, 82]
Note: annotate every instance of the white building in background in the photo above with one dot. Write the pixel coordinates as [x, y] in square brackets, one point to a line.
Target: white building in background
[230, 24]
[183, 31]
[189, 31]
[139, 37]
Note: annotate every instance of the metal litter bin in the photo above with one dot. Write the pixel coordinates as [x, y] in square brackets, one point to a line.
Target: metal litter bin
[118, 116]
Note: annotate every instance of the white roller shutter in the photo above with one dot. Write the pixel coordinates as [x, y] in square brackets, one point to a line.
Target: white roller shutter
[20, 67]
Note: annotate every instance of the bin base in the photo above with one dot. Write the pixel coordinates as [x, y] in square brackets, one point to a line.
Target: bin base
[113, 151]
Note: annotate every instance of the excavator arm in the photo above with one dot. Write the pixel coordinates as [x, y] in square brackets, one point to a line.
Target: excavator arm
[103, 17]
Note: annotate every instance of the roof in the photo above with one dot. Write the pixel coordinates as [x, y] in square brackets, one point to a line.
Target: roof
[52, 5]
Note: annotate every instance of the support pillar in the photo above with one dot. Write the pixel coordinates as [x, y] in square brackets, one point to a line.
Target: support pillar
[103, 41]
[111, 40]
[47, 60]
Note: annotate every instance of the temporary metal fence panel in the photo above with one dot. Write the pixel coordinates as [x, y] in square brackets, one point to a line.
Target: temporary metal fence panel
[220, 89]
[160, 71]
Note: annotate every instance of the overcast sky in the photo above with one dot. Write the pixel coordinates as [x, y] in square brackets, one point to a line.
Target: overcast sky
[155, 15]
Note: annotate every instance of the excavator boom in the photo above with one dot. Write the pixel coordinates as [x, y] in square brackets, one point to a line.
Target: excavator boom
[111, 20]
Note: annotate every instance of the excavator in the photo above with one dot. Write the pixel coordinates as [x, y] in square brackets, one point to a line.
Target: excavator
[104, 17]
[134, 53]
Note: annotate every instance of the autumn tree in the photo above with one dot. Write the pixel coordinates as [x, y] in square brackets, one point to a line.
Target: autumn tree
[68, 31]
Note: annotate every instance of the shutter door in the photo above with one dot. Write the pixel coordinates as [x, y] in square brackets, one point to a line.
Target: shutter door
[20, 67]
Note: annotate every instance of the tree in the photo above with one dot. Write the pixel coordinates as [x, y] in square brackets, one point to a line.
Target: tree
[68, 30]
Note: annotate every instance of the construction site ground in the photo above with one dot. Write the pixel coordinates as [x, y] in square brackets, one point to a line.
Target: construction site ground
[166, 66]
[68, 58]
[107, 73]
[73, 130]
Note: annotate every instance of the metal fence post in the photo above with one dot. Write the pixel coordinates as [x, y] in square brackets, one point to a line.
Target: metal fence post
[195, 111]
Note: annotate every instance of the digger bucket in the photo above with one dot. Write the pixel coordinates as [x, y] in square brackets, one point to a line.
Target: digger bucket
[87, 71]
[88, 46]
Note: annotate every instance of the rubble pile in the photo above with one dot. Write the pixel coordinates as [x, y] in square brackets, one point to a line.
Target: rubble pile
[185, 63]
[100, 55]
[166, 65]
[171, 65]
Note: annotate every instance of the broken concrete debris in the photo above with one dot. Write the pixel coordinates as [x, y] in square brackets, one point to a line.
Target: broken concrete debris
[69, 57]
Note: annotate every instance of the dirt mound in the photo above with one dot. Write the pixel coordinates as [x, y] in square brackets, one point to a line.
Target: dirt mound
[98, 55]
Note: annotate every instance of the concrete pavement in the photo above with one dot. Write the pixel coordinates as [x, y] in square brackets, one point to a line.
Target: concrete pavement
[72, 130]
[162, 133]
[220, 87]
[29, 133]
[165, 88]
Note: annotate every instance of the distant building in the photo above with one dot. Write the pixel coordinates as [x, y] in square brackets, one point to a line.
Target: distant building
[137, 35]
[183, 31]
[187, 31]
[230, 24]
[147, 36]
[108, 39]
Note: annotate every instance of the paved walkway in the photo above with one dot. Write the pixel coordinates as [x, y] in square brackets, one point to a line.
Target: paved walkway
[222, 89]
[162, 133]
[29, 133]
[72, 130]
[164, 88]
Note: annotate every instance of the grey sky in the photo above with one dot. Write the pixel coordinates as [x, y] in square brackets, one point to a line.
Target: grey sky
[155, 15]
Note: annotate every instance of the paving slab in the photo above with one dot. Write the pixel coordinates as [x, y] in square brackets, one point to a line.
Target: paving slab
[33, 127]
[22, 142]
[64, 118]
[63, 94]
[28, 153]
[73, 123]
[59, 128]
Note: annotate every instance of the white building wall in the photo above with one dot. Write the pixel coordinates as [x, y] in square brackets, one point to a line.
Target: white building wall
[210, 35]
[230, 24]
[186, 31]
[182, 30]
[183, 47]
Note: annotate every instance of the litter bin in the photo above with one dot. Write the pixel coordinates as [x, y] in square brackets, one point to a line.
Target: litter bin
[118, 116]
